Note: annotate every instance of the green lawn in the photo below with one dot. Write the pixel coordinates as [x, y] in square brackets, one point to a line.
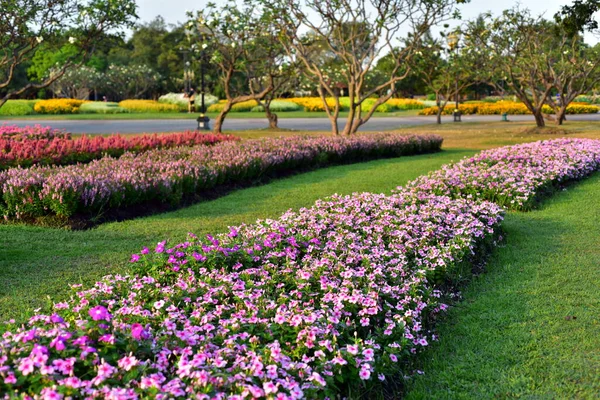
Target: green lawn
[39, 262]
[530, 327]
[181, 115]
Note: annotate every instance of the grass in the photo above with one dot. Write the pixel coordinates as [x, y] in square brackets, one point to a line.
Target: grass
[529, 327]
[38, 262]
[183, 115]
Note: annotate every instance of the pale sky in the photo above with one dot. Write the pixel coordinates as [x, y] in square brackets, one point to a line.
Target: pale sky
[174, 11]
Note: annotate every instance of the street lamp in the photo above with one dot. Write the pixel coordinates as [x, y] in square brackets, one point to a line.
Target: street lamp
[203, 120]
[453, 40]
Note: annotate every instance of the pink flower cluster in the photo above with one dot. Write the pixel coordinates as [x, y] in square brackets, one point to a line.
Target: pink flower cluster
[299, 307]
[36, 132]
[52, 149]
[514, 177]
[167, 174]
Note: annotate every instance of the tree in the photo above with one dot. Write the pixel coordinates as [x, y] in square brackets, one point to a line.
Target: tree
[356, 32]
[77, 83]
[574, 69]
[446, 70]
[27, 24]
[243, 46]
[579, 16]
[130, 82]
[535, 58]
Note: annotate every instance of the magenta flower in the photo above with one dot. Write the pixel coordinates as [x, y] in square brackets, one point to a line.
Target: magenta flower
[99, 313]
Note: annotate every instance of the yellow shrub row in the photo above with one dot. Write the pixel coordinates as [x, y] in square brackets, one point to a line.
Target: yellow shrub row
[58, 106]
[313, 104]
[509, 107]
[149, 106]
[244, 106]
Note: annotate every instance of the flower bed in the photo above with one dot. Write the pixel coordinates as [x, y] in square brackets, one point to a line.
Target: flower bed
[321, 302]
[509, 107]
[36, 132]
[512, 177]
[305, 306]
[169, 174]
[49, 148]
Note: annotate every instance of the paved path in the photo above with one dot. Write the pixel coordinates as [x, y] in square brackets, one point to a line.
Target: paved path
[300, 124]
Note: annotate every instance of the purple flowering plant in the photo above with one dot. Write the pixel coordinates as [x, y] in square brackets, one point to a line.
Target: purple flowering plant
[317, 303]
[167, 175]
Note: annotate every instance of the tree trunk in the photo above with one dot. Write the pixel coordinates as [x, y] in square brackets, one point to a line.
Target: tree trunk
[561, 115]
[271, 116]
[539, 118]
[221, 117]
[349, 128]
[439, 116]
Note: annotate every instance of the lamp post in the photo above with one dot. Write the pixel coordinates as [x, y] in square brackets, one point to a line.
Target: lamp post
[203, 120]
[453, 40]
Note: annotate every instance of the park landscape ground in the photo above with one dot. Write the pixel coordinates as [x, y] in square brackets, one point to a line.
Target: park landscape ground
[526, 327]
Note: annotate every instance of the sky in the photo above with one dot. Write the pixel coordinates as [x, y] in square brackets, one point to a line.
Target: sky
[174, 11]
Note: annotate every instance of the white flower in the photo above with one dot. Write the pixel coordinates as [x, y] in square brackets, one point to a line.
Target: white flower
[39, 39]
[204, 46]
[233, 45]
[72, 40]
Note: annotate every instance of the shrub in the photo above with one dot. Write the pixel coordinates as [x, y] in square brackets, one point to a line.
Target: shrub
[406, 104]
[244, 106]
[315, 104]
[147, 106]
[182, 102]
[31, 133]
[170, 173]
[280, 106]
[48, 147]
[101, 107]
[509, 107]
[18, 107]
[58, 106]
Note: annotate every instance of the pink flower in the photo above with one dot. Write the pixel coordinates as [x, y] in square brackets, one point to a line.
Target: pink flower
[128, 362]
[352, 349]
[365, 373]
[26, 366]
[269, 387]
[99, 313]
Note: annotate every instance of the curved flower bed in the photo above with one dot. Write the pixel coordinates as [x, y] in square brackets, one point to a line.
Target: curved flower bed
[168, 174]
[313, 304]
[513, 177]
[63, 150]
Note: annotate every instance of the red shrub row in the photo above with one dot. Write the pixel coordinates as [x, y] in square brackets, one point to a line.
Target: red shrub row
[65, 151]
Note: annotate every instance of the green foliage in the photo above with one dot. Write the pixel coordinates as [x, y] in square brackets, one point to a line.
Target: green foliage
[18, 107]
[279, 106]
[101, 107]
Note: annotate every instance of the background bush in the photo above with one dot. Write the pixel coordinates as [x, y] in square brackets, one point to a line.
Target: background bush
[18, 107]
[58, 106]
[182, 102]
[148, 106]
[101, 107]
[279, 106]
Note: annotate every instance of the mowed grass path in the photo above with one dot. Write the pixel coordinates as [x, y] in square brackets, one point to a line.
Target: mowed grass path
[529, 327]
[39, 262]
